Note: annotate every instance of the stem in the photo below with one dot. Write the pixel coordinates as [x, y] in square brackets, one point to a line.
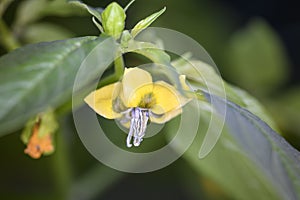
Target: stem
[94, 182]
[61, 167]
[6, 37]
[119, 70]
[119, 66]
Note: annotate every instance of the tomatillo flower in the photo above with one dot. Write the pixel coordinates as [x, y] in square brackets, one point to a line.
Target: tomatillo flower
[136, 99]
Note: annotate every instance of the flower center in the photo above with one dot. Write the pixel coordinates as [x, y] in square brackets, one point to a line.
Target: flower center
[147, 101]
[138, 125]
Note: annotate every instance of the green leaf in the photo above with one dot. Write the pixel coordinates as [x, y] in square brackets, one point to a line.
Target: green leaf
[44, 32]
[96, 12]
[27, 131]
[42, 75]
[149, 50]
[3, 6]
[29, 11]
[250, 160]
[62, 9]
[113, 20]
[256, 59]
[48, 122]
[141, 25]
[285, 109]
[32, 10]
[128, 5]
[204, 77]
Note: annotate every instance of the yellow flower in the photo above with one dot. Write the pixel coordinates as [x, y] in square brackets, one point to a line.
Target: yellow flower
[135, 100]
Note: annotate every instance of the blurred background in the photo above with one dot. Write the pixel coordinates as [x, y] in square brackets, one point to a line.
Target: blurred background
[255, 45]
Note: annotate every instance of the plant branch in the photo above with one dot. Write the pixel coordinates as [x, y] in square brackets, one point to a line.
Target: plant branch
[119, 69]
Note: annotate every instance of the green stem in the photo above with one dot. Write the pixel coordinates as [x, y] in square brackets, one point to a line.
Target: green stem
[94, 182]
[6, 37]
[119, 70]
[119, 66]
[61, 167]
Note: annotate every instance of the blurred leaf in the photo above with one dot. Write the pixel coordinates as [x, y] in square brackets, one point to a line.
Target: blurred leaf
[285, 109]
[44, 32]
[203, 76]
[32, 10]
[146, 22]
[42, 75]
[61, 8]
[3, 6]
[250, 160]
[29, 11]
[257, 59]
[7, 39]
[96, 12]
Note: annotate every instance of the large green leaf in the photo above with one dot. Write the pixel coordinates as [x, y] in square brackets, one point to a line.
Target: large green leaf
[250, 160]
[42, 75]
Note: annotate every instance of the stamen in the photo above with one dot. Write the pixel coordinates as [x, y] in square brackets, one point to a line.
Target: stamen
[138, 125]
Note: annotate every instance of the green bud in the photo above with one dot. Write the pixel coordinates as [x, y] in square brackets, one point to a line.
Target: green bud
[113, 20]
[126, 37]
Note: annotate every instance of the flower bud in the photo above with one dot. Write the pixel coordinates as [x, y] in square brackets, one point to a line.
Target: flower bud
[113, 20]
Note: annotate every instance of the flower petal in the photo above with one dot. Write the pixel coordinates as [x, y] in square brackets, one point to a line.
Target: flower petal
[165, 117]
[141, 97]
[101, 100]
[135, 78]
[169, 101]
[166, 98]
[39, 145]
